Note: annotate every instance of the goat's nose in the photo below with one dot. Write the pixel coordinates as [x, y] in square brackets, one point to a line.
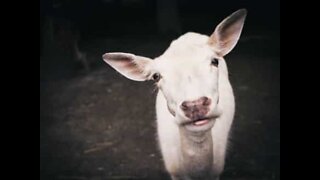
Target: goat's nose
[203, 101]
[198, 107]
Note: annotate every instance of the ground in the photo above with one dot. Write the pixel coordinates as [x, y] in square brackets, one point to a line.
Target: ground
[101, 126]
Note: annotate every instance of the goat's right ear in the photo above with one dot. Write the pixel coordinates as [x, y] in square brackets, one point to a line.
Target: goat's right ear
[131, 66]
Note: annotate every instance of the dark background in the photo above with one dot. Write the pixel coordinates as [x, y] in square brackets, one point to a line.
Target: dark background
[96, 124]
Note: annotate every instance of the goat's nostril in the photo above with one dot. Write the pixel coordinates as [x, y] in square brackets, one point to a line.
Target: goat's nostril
[184, 106]
[205, 101]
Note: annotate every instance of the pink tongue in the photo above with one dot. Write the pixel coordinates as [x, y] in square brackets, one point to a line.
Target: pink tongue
[201, 122]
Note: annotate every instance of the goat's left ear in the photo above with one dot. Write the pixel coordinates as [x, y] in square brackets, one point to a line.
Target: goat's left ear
[227, 33]
[129, 65]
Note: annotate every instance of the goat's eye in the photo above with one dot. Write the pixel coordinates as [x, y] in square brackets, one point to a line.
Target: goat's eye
[215, 62]
[156, 77]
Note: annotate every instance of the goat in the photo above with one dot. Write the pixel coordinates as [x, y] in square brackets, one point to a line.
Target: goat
[195, 103]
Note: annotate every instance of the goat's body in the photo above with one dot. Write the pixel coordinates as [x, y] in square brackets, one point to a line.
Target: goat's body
[195, 103]
[170, 137]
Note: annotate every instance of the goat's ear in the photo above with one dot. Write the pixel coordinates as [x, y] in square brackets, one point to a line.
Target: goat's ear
[227, 33]
[131, 66]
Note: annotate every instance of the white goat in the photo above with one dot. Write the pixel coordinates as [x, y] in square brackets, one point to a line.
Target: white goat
[195, 103]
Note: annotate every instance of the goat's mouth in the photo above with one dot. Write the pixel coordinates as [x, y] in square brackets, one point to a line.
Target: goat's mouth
[201, 124]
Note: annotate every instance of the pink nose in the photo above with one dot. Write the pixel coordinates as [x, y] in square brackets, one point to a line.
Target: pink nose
[196, 109]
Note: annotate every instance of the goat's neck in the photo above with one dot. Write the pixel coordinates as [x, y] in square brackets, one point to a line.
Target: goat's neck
[196, 152]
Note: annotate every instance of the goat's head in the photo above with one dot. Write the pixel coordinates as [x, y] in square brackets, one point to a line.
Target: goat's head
[187, 73]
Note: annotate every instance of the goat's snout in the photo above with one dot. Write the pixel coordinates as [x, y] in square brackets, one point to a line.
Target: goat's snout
[196, 109]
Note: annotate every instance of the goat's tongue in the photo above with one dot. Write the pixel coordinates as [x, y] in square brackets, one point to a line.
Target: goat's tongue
[201, 122]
